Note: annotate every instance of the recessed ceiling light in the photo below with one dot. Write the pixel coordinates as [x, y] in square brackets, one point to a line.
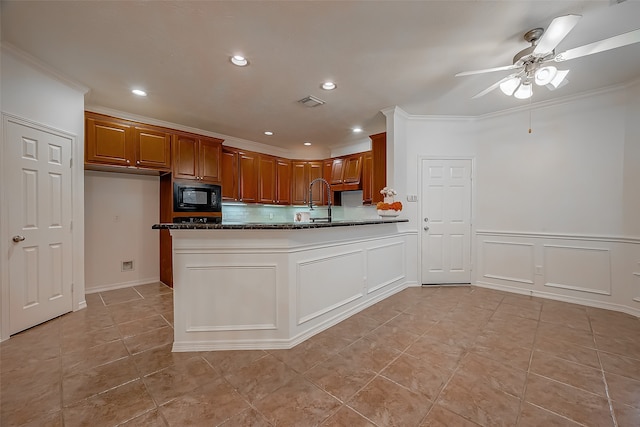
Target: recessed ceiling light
[268, 132]
[328, 85]
[357, 130]
[239, 60]
[307, 143]
[139, 92]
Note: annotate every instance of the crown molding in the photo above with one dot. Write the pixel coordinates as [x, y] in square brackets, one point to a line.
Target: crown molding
[28, 59]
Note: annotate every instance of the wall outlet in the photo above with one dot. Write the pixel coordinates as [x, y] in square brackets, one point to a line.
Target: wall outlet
[127, 265]
[412, 198]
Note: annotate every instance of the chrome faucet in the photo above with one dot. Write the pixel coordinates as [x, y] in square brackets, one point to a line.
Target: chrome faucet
[328, 218]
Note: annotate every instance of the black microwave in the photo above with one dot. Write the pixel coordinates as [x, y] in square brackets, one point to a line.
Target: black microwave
[196, 197]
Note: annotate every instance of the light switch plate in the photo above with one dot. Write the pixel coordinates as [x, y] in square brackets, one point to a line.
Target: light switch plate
[412, 198]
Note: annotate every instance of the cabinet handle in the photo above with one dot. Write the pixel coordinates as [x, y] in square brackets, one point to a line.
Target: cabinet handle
[128, 162]
[137, 162]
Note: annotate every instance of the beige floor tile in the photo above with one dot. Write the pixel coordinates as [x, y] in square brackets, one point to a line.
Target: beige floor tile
[208, 405]
[152, 418]
[465, 347]
[80, 385]
[180, 379]
[369, 354]
[417, 376]
[298, 402]
[110, 408]
[149, 340]
[570, 402]
[339, 376]
[261, 377]
[568, 351]
[386, 403]
[623, 389]
[580, 376]
[347, 417]
[120, 295]
[441, 417]
[143, 325]
[153, 289]
[533, 416]
[620, 365]
[626, 416]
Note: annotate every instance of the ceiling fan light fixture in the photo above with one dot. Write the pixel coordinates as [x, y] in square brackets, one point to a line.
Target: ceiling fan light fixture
[524, 91]
[509, 86]
[559, 80]
[545, 75]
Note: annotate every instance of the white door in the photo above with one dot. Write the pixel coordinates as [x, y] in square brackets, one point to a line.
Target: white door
[38, 193]
[446, 221]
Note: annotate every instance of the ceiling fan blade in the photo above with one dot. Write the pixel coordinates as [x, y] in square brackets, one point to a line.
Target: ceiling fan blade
[600, 46]
[557, 31]
[495, 85]
[488, 70]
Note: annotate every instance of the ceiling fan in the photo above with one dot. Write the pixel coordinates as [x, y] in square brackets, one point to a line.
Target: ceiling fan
[534, 64]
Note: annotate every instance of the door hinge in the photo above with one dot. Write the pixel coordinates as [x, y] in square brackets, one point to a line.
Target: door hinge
[71, 162]
[71, 225]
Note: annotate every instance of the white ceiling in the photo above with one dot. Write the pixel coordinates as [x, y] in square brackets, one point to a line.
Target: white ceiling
[380, 54]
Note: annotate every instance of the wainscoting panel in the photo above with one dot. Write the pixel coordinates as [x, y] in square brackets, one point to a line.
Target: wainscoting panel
[599, 271]
[580, 268]
[509, 261]
[385, 265]
[326, 283]
[249, 303]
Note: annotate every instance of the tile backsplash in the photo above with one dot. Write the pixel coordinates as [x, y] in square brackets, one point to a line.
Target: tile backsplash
[238, 212]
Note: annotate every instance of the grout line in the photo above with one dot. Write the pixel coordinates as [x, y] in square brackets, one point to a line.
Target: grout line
[604, 378]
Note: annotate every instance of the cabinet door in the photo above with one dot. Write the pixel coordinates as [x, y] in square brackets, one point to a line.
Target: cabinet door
[229, 166]
[300, 182]
[185, 157]
[337, 169]
[152, 149]
[352, 169]
[367, 178]
[248, 171]
[108, 141]
[319, 194]
[266, 179]
[209, 152]
[283, 181]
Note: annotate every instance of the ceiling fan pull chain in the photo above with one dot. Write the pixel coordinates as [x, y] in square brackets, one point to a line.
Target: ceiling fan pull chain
[530, 113]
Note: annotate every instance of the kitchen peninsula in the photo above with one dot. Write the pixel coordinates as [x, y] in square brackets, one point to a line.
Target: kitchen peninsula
[273, 285]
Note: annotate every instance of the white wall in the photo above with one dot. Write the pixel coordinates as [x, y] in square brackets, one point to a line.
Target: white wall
[556, 210]
[120, 210]
[35, 93]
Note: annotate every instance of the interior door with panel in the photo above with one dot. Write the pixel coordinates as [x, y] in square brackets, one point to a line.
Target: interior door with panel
[38, 182]
[446, 221]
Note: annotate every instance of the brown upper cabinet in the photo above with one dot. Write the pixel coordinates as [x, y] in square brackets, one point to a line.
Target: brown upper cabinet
[248, 173]
[267, 179]
[116, 142]
[229, 165]
[196, 157]
[283, 181]
[337, 169]
[303, 172]
[346, 173]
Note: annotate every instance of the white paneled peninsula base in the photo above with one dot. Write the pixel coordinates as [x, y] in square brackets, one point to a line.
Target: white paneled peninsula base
[272, 288]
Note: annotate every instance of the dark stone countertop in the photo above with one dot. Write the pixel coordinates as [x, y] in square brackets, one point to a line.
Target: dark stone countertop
[275, 225]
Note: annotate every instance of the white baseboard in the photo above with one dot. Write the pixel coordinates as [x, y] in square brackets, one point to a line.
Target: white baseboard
[111, 287]
[564, 298]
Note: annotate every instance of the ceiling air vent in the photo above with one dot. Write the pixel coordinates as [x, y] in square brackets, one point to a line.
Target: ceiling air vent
[311, 101]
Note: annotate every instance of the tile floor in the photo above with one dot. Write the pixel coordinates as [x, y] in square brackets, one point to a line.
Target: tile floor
[436, 356]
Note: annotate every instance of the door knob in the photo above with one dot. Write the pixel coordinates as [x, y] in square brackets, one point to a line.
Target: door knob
[18, 238]
[426, 229]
